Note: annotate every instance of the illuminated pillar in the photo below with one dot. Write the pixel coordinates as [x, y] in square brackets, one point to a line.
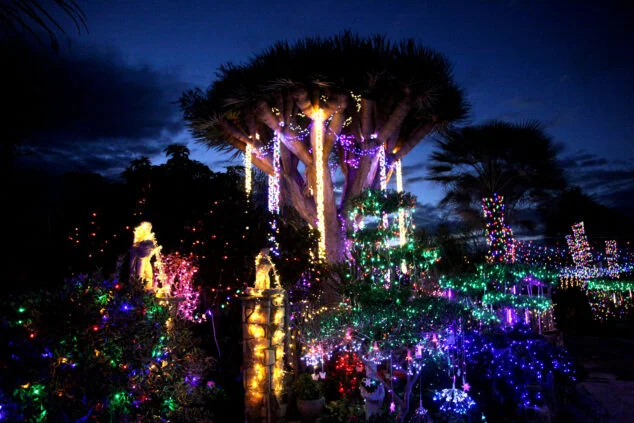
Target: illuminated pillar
[318, 133]
[263, 334]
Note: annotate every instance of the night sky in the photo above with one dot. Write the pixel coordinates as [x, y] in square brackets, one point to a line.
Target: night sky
[568, 64]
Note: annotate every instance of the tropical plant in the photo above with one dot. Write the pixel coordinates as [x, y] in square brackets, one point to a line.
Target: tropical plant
[372, 94]
[33, 17]
[516, 161]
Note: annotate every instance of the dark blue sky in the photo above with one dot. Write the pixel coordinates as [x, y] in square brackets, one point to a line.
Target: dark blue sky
[568, 64]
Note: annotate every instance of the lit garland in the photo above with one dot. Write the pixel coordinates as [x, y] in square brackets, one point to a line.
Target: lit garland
[610, 285]
[516, 301]
[248, 159]
[318, 125]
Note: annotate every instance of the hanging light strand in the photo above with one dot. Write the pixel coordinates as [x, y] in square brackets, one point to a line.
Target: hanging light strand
[248, 152]
[274, 180]
[401, 212]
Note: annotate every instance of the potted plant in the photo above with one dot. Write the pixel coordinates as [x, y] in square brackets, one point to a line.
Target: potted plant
[310, 399]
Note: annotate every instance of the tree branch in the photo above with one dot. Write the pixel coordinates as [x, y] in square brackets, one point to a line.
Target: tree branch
[393, 125]
[303, 101]
[404, 147]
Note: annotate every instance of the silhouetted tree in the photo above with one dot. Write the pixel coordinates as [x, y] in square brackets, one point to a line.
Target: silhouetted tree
[518, 161]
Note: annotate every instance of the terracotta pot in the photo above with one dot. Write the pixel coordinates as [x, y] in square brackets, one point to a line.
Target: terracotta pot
[310, 409]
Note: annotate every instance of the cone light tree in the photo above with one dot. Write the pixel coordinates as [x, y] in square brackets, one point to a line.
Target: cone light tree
[334, 103]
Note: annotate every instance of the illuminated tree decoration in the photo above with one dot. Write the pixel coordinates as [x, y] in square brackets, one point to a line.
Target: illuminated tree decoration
[454, 400]
[382, 169]
[178, 284]
[579, 246]
[248, 164]
[318, 128]
[499, 236]
[402, 230]
[274, 179]
[612, 257]
[274, 194]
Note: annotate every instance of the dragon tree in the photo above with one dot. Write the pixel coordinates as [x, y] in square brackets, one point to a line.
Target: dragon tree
[340, 107]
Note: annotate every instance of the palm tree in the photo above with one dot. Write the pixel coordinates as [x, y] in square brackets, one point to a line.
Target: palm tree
[497, 165]
[33, 17]
[371, 94]
[177, 152]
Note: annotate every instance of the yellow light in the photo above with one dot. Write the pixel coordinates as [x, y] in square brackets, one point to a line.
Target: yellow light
[318, 123]
[247, 168]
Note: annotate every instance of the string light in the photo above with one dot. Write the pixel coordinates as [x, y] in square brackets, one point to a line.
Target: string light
[579, 246]
[318, 125]
[402, 231]
[612, 257]
[498, 235]
[248, 159]
[274, 180]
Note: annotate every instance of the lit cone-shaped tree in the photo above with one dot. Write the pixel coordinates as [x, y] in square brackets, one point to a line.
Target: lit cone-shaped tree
[388, 317]
[497, 166]
[331, 101]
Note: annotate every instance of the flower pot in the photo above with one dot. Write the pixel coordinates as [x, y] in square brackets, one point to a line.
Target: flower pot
[310, 409]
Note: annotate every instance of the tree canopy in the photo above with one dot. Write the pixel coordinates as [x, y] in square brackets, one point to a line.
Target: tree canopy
[371, 93]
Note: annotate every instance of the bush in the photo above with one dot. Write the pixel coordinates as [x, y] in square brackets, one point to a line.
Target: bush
[306, 388]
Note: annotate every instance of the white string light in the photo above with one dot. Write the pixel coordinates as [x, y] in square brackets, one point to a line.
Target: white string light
[274, 180]
[382, 168]
[248, 151]
[401, 212]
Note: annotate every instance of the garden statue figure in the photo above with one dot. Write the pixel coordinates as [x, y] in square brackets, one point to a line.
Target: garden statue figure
[143, 249]
[263, 267]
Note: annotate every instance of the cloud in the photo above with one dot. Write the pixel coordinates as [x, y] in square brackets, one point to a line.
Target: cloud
[414, 179]
[429, 216]
[89, 110]
[611, 182]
